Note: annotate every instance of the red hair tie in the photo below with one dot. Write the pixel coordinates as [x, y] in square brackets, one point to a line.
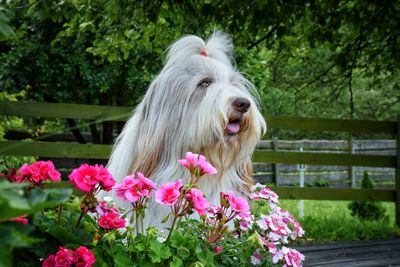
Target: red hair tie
[203, 53]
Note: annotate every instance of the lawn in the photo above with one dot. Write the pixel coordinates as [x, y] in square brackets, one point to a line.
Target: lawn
[326, 221]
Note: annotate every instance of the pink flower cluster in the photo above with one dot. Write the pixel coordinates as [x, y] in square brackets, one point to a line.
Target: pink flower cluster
[110, 221]
[81, 257]
[38, 172]
[197, 164]
[87, 177]
[133, 189]
[262, 192]
[280, 225]
[288, 256]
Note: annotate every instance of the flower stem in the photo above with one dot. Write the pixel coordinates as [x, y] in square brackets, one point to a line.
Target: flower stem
[80, 218]
[172, 228]
[59, 213]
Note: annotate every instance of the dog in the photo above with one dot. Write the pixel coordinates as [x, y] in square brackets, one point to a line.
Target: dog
[199, 102]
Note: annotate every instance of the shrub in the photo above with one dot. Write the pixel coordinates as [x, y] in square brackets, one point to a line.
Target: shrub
[85, 232]
[367, 210]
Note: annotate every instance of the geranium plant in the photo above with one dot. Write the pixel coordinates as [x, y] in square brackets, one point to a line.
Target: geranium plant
[84, 231]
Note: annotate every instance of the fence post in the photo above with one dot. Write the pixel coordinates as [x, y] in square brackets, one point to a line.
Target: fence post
[275, 170]
[397, 182]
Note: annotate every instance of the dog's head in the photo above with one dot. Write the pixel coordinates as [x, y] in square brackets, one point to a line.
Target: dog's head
[199, 99]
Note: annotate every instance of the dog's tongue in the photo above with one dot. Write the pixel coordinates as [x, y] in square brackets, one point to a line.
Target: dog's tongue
[233, 128]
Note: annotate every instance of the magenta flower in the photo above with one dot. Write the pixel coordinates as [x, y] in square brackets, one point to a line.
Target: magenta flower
[197, 164]
[111, 221]
[169, 193]
[84, 257]
[64, 257]
[86, 177]
[237, 204]
[131, 189]
[218, 249]
[38, 172]
[20, 219]
[200, 204]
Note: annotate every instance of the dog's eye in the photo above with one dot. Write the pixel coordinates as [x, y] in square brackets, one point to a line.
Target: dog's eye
[205, 83]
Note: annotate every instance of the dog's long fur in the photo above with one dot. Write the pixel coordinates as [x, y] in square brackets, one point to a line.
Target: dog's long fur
[187, 108]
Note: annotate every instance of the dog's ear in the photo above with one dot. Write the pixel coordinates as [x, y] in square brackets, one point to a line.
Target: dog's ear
[246, 175]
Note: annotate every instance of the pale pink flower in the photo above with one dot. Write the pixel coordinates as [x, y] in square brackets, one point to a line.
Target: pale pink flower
[256, 258]
[196, 163]
[131, 189]
[200, 204]
[237, 204]
[169, 193]
[292, 257]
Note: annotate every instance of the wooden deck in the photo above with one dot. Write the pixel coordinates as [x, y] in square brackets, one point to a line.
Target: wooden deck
[365, 253]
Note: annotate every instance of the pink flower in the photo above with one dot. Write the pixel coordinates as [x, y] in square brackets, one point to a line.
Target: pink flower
[131, 189]
[38, 172]
[218, 249]
[200, 204]
[105, 178]
[20, 219]
[237, 204]
[256, 258]
[84, 257]
[103, 208]
[292, 257]
[111, 221]
[197, 164]
[169, 193]
[49, 262]
[86, 177]
[64, 257]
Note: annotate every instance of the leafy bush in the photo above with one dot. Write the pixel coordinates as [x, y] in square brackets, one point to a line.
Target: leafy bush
[81, 231]
[367, 210]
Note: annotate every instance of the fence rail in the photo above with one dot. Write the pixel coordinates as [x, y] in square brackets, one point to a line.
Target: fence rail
[98, 114]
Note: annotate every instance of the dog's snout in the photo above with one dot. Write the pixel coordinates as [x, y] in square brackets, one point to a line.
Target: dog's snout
[241, 104]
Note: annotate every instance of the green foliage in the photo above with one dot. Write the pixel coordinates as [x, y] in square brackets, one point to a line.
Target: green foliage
[367, 210]
[327, 221]
[307, 58]
[15, 201]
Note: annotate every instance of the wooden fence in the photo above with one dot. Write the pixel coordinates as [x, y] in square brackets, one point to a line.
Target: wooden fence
[99, 114]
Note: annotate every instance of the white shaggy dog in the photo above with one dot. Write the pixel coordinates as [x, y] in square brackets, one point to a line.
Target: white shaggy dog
[199, 102]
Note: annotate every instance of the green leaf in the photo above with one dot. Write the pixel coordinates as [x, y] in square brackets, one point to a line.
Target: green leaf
[166, 218]
[65, 232]
[158, 251]
[176, 262]
[183, 252]
[177, 239]
[122, 260]
[15, 201]
[196, 264]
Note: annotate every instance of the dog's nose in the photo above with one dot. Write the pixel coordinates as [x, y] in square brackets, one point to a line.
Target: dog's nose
[241, 104]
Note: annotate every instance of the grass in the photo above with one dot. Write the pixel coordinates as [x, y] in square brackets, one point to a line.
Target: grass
[326, 221]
